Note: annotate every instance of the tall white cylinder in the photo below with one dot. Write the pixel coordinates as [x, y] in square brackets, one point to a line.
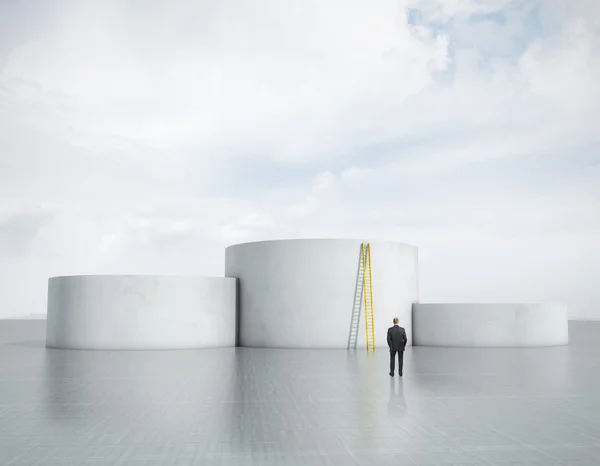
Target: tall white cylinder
[140, 312]
[301, 293]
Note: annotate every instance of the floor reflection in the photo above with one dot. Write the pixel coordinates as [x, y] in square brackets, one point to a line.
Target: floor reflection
[397, 404]
[258, 406]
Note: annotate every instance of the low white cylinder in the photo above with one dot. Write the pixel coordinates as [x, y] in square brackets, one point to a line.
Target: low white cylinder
[490, 325]
[140, 312]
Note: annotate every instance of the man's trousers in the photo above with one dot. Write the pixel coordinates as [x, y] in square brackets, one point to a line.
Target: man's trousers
[393, 361]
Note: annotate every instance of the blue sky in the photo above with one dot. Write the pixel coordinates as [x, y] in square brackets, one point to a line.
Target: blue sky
[146, 140]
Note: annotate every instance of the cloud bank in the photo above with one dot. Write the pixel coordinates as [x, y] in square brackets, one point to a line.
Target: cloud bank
[144, 140]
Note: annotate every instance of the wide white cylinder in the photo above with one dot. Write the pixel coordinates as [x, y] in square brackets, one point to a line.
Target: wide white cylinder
[490, 325]
[301, 293]
[140, 312]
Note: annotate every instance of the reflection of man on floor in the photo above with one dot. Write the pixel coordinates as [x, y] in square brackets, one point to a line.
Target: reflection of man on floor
[397, 404]
[396, 338]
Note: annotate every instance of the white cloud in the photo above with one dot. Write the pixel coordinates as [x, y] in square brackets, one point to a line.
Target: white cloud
[564, 69]
[322, 184]
[130, 135]
[439, 11]
[201, 86]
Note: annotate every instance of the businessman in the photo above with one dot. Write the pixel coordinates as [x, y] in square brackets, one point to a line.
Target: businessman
[396, 339]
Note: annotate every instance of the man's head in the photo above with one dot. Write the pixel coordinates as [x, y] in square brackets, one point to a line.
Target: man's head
[396, 321]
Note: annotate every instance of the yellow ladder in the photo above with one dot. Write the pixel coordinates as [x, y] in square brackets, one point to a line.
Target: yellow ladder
[365, 250]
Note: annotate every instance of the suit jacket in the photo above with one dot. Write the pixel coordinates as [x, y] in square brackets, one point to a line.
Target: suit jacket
[396, 338]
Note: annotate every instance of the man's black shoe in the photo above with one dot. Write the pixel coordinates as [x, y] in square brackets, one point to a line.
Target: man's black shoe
[392, 374]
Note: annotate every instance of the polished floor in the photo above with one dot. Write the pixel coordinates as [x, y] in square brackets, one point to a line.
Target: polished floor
[288, 407]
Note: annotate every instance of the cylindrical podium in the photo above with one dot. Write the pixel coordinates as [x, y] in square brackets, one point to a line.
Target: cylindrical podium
[141, 312]
[490, 324]
[301, 293]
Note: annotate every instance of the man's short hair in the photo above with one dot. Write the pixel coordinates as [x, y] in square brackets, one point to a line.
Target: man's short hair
[395, 320]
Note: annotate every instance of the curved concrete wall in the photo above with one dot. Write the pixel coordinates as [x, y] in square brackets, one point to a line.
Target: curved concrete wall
[300, 293]
[140, 312]
[490, 325]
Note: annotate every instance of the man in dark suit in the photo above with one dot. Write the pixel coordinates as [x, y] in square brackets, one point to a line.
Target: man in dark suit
[396, 339]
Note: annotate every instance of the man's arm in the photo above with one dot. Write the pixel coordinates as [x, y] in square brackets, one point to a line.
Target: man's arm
[389, 337]
[404, 338]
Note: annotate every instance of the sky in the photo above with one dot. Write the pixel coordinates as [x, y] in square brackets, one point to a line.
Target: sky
[145, 137]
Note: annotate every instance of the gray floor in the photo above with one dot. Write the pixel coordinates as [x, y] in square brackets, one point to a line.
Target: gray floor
[283, 407]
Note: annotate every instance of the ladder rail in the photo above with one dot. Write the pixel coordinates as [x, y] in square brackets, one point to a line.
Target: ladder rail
[368, 296]
[357, 304]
